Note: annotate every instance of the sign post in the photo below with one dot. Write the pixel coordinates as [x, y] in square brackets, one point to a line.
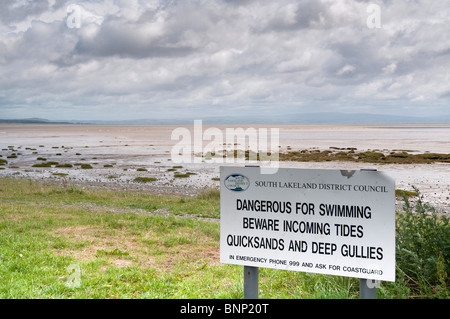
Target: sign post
[251, 275]
[367, 289]
[335, 222]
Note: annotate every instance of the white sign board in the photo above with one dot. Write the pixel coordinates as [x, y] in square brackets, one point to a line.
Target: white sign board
[321, 221]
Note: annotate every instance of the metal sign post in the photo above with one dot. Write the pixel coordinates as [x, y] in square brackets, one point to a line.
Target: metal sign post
[251, 275]
[367, 289]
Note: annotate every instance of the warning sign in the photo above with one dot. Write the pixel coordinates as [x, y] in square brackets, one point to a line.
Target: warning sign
[322, 221]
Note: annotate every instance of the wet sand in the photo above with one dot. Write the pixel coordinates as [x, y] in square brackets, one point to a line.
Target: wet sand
[130, 147]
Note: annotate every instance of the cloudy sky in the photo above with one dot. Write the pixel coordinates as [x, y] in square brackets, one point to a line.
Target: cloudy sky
[117, 59]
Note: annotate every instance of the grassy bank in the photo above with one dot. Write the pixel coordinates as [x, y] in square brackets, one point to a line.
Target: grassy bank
[65, 242]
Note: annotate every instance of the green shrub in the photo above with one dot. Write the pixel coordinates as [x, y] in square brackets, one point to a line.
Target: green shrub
[423, 247]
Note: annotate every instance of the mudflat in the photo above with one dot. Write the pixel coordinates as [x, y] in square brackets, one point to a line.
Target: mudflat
[144, 156]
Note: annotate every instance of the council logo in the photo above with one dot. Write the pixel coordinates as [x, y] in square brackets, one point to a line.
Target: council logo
[237, 182]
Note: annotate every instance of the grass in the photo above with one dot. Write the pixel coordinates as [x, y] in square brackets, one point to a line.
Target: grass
[352, 155]
[181, 175]
[401, 192]
[45, 229]
[141, 245]
[145, 179]
[349, 154]
[209, 194]
[64, 166]
[46, 164]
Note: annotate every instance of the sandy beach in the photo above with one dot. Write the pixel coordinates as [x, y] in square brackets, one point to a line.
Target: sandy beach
[120, 153]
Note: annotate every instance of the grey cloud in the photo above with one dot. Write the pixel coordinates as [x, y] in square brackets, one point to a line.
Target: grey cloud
[293, 16]
[16, 11]
[11, 11]
[308, 14]
[41, 42]
[166, 35]
[227, 53]
[122, 40]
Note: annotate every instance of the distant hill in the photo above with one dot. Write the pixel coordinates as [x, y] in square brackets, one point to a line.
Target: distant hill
[332, 118]
[34, 121]
[298, 118]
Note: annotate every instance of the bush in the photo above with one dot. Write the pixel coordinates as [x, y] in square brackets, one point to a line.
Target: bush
[423, 247]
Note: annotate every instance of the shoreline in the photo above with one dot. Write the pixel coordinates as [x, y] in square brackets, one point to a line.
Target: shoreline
[422, 176]
[120, 153]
